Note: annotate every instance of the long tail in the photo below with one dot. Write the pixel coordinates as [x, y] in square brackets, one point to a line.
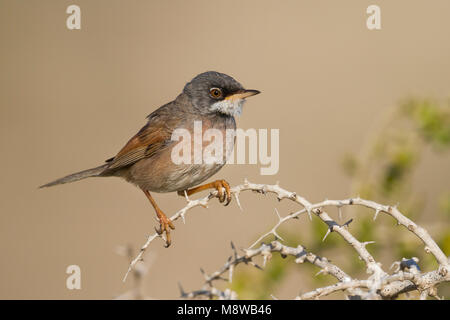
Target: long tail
[94, 172]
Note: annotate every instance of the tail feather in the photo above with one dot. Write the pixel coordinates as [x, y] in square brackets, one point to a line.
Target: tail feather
[94, 172]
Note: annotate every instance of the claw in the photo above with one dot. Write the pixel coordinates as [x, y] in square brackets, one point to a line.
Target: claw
[220, 185]
[220, 193]
[228, 191]
[168, 241]
[164, 227]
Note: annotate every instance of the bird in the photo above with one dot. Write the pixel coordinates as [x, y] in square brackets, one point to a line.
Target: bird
[212, 99]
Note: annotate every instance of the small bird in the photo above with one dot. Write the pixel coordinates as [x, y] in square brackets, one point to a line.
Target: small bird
[212, 99]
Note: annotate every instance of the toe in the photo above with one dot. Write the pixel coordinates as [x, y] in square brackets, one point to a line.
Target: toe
[168, 241]
[227, 191]
[228, 199]
[167, 231]
[220, 193]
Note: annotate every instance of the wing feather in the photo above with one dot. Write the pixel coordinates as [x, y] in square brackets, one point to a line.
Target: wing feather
[151, 139]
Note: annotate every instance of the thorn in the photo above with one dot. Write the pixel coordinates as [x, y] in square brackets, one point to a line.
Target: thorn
[321, 271]
[340, 213]
[278, 214]
[347, 223]
[308, 209]
[236, 195]
[186, 196]
[233, 247]
[182, 293]
[326, 234]
[277, 235]
[376, 214]
[256, 266]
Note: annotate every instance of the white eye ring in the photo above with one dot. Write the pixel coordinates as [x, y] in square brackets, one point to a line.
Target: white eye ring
[215, 93]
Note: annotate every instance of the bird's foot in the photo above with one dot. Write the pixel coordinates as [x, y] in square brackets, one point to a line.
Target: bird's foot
[220, 186]
[164, 226]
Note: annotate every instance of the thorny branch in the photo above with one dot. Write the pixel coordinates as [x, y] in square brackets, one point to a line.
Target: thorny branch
[138, 272]
[379, 285]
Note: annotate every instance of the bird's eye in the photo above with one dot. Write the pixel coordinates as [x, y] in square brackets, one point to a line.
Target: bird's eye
[216, 93]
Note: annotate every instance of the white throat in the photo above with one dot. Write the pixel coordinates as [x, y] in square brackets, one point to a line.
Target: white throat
[232, 107]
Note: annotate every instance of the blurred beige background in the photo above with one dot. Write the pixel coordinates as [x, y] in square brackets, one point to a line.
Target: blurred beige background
[71, 99]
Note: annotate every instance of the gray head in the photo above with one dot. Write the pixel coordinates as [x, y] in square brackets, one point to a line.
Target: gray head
[212, 92]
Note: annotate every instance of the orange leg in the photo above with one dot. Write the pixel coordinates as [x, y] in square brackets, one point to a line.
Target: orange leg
[164, 222]
[219, 185]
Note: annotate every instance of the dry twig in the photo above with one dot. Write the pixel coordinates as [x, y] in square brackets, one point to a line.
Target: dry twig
[379, 285]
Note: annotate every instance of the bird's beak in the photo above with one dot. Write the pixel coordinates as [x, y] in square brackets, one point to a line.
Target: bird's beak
[242, 94]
